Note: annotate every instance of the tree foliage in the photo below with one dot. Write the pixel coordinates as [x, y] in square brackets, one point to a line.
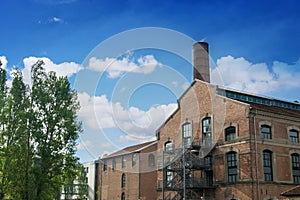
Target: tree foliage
[38, 133]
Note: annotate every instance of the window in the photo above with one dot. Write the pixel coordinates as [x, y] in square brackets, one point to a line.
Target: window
[123, 196]
[266, 132]
[232, 167]
[294, 136]
[230, 133]
[168, 146]
[206, 131]
[114, 164]
[267, 163]
[169, 178]
[134, 158]
[104, 165]
[187, 134]
[123, 181]
[296, 168]
[123, 162]
[151, 160]
[206, 125]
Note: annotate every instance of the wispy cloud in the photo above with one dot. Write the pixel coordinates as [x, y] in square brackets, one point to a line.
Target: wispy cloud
[52, 20]
[117, 67]
[241, 74]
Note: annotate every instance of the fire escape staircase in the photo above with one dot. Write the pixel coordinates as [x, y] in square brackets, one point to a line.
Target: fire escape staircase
[183, 163]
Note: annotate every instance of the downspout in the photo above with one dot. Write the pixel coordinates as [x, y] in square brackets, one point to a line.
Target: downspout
[256, 155]
[163, 182]
[139, 189]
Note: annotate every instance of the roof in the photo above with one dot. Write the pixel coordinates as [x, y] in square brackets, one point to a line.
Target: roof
[276, 109]
[262, 103]
[295, 191]
[131, 149]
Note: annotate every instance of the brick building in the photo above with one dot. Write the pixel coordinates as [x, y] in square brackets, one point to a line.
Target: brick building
[130, 173]
[224, 144]
[219, 144]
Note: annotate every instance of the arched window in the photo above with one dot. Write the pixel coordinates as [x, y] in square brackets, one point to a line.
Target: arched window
[206, 131]
[296, 167]
[187, 134]
[267, 163]
[169, 146]
[123, 181]
[265, 132]
[123, 196]
[232, 172]
[230, 133]
[151, 160]
[294, 135]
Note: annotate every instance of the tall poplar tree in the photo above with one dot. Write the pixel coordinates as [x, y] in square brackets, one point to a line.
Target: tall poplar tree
[55, 131]
[38, 133]
[3, 135]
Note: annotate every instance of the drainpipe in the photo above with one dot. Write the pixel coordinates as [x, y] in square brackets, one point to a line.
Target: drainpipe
[184, 175]
[163, 182]
[256, 154]
[139, 173]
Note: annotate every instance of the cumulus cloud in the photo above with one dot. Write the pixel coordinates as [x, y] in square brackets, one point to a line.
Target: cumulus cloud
[3, 61]
[99, 112]
[240, 74]
[117, 67]
[62, 69]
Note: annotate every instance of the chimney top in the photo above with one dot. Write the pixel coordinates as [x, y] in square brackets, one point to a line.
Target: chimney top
[201, 61]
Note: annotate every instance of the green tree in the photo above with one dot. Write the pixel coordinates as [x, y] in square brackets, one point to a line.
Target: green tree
[3, 135]
[38, 133]
[55, 131]
[19, 147]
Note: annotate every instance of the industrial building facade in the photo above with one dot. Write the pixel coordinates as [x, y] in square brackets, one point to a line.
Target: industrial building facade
[219, 144]
[130, 173]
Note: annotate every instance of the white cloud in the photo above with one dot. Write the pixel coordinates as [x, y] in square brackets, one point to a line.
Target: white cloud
[56, 19]
[99, 112]
[238, 73]
[4, 62]
[117, 67]
[62, 69]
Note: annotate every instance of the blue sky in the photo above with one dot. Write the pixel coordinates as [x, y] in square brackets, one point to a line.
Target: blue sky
[254, 45]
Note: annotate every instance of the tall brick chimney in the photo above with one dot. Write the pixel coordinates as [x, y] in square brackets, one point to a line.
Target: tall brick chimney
[201, 61]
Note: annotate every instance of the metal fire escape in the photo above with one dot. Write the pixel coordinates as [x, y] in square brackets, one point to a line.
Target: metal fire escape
[187, 174]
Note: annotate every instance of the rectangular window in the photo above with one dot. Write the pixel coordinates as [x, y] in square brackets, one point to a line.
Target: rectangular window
[232, 167]
[104, 165]
[169, 178]
[294, 136]
[267, 162]
[230, 133]
[296, 168]
[206, 131]
[187, 134]
[114, 164]
[123, 162]
[266, 132]
[134, 158]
